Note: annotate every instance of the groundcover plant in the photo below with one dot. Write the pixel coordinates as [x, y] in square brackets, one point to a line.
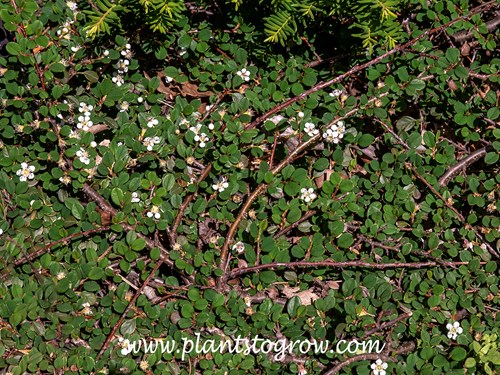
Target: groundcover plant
[263, 187]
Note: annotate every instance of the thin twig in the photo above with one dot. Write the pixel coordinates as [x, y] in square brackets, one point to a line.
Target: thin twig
[450, 206]
[187, 200]
[332, 264]
[462, 164]
[132, 302]
[306, 216]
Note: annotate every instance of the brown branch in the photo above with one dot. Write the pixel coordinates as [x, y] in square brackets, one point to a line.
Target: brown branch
[150, 244]
[463, 164]
[306, 216]
[362, 67]
[398, 138]
[122, 318]
[47, 247]
[224, 261]
[450, 206]
[431, 188]
[464, 35]
[387, 324]
[182, 208]
[332, 264]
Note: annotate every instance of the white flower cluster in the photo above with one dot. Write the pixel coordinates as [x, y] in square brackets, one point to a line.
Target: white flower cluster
[72, 6]
[126, 346]
[202, 138]
[310, 129]
[65, 31]
[84, 122]
[379, 367]
[122, 66]
[335, 133]
[239, 247]
[336, 93]
[454, 330]
[150, 142]
[199, 136]
[135, 197]
[243, 74]
[154, 212]
[220, 184]
[307, 195]
[127, 51]
[152, 122]
[26, 172]
[118, 79]
[124, 106]
[83, 156]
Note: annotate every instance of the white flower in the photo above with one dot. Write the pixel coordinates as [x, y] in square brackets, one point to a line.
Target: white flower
[124, 106]
[126, 347]
[117, 79]
[66, 180]
[144, 365]
[83, 156]
[239, 247]
[72, 5]
[301, 114]
[310, 129]
[335, 93]
[335, 133]
[202, 138]
[61, 275]
[340, 127]
[127, 52]
[86, 310]
[209, 107]
[1, 231]
[379, 367]
[85, 108]
[73, 134]
[93, 144]
[168, 79]
[308, 195]
[211, 126]
[150, 142]
[135, 197]
[155, 211]
[140, 99]
[195, 129]
[454, 330]
[84, 123]
[244, 74]
[75, 48]
[220, 184]
[122, 66]
[152, 122]
[105, 53]
[26, 172]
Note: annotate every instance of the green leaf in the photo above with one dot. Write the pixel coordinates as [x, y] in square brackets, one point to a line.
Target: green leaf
[96, 273]
[117, 196]
[138, 244]
[345, 240]
[292, 305]
[458, 354]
